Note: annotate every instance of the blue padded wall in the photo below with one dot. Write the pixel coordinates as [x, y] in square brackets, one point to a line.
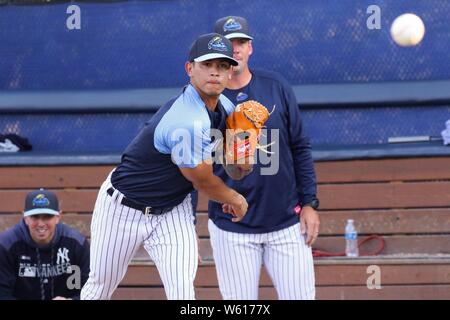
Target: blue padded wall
[113, 132]
[143, 44]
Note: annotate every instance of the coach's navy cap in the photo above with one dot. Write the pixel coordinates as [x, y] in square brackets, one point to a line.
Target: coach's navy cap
[233, 27]
[41, 202]
[212, 46]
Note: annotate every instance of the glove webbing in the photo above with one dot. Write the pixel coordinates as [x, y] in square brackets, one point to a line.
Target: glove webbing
[255, 115]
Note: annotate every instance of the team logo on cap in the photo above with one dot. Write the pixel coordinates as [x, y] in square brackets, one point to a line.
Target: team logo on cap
[232, 25]
[241, 96]
[41, 201]
[217, 44]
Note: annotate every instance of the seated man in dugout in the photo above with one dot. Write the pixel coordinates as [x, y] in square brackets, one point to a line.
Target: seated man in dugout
[40, 258]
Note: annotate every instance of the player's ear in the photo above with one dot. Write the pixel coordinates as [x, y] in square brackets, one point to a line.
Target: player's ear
[56, 219]
[27, 221]
[188, 67]
[250, 46]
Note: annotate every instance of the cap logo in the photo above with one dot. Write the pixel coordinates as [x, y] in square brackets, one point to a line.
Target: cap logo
[217, 44]
[41, 201]
[232, 25]
[241, 96]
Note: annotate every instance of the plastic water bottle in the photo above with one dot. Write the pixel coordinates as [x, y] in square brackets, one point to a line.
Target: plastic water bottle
[351, 239]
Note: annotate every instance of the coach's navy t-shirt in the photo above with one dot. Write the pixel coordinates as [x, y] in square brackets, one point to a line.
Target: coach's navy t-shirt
[290, 179]
[178, 135]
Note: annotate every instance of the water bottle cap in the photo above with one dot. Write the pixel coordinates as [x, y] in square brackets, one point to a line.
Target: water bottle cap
[350, 220]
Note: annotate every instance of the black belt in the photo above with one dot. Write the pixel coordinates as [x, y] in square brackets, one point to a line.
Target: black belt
[137, 206]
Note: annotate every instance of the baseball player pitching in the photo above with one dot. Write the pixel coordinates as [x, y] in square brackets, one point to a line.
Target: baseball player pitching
[146, 200]
[271, 233]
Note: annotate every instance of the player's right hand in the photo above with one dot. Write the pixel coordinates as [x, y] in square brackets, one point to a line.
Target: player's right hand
[237, 209]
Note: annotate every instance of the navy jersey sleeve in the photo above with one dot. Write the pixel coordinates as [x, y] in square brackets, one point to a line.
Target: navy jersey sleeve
[7, 275]
[301, 149]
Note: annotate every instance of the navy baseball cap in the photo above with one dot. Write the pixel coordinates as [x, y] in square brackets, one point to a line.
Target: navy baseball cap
[233, 27]
[41, 202]
[212, 46]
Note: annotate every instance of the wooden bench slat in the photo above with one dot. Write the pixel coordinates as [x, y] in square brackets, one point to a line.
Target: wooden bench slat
[390, 274]
[333, 197]
[53, 177]
[416, 169]
[81, 222]
[397, 221]
[372, 221]
[376, 195]
[130, 293]
[71, 200]
[403, 292]
[395, 244]
[385, 195]
[83, 201]
[149, 293]
[140, 275]
[326, 275]
[381, 222]
[351, 171]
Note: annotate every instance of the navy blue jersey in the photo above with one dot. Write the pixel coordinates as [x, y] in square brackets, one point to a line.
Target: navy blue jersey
[272, 198]
[32, 272]
[177, 136]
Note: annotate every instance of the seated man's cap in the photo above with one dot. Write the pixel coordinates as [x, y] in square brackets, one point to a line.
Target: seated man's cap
[233, 27]
[41, 202]
[212, 46]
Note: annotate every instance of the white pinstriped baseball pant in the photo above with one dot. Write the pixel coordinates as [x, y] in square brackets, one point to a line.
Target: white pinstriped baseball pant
[239, 257]
[118, 231]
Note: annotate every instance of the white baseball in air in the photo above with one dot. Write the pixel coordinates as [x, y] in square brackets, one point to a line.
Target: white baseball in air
[407, 30]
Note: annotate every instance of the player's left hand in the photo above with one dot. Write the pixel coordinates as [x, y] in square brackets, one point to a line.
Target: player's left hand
[309, 224]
